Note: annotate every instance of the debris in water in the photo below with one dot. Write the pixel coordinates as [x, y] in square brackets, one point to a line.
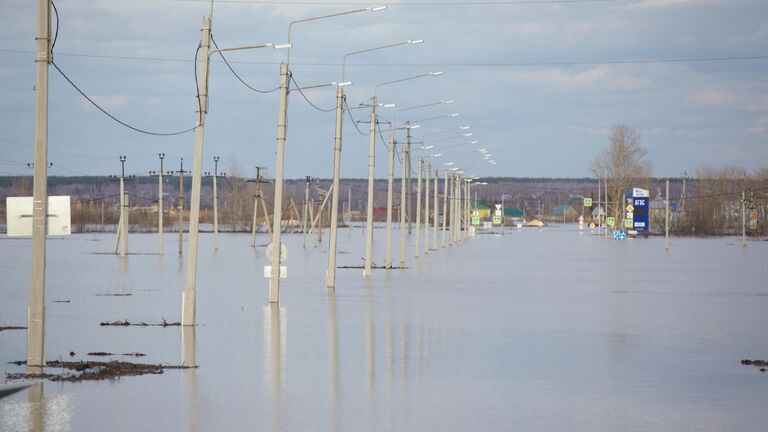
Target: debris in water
[61, 301]
[93, 371]
[759, 363]
[104, 354]
[126, 323]
[12, 328]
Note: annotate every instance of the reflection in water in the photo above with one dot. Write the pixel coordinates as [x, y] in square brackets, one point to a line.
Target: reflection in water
[38, 413]
[275, 322]
[189, 358]
[36, 422]
[333, 348]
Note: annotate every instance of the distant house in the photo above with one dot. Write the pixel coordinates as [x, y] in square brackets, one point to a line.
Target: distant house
[483, 210]
[563, 210]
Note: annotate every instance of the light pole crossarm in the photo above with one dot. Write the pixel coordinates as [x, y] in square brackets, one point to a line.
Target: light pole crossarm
[290, 26]
[344, 61]
[375, 91]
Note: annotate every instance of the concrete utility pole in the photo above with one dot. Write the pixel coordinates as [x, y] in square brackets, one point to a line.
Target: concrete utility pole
[188, 296]
[445, 207]
[180, 206]
[743, 218]
[682, 197]
[123, 225]
[306, 210]
[408, 177]
[416, 243]
[605, 189]
[369, 208]
[436, 214]
[36, 313]
[467, 214]
[215, 176]
[330, 274]
[159, 175]
[282, 120]
[402, 208]
[390, 180]
[452, 199]
[258, 200]
[427, 174]
[666, 217]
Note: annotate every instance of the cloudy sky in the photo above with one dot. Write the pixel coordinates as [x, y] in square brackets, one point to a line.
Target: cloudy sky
[539, 83]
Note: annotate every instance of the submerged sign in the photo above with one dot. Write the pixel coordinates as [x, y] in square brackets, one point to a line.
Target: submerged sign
[20, 216]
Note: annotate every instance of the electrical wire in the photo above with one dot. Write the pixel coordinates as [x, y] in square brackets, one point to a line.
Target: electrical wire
[112, 116]
[56, 34]
[221, 54]
[55, 38]
[436, 3]
[306, 99]
[352, 119]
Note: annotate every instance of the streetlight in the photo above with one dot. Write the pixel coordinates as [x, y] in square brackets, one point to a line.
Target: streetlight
[282, 127]
[330, 276]
[371, 165]
[188, 296]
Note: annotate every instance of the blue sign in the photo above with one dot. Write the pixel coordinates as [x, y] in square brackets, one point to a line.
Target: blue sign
[619, 235]
[639, 203]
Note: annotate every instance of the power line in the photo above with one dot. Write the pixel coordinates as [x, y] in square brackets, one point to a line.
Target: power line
[309, 101]
[713, 59]
[352, 119]
[221, 54]
[112, 116]
[436, 3]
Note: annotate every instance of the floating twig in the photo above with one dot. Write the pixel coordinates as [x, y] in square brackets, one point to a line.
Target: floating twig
[12, 328]
[93, 371]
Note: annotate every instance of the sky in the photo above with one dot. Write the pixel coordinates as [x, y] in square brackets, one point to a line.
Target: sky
[539, 83]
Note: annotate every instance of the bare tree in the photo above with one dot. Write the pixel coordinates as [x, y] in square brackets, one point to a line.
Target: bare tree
[624, 164]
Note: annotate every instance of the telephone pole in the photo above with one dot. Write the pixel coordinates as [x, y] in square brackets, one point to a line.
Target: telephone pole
[369, 209]
[390, 179]
[180, 205]
[417, 245]
[306, 209]
[666, 217]
[215, 176]
[330, 274]
[36, 314]
[258, 198]
[159, 200]
[123, 224]
[188, 297]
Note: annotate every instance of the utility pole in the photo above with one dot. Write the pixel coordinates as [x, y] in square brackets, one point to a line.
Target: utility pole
[427, 173]
[436, 215]
[306, 209]
[123, 224]
[445, 206]
[666, 217]
[188, 297]
[416, 243]
[282, 125]
[180, 205]
[407, 158]
[349, 208]
[159, 175]
[330, 274]
[369, 209]
[743, 218]
[402, 206]
[390, 180]
[36, 314]
[215, 176]
[258, 199]
[605, 189]
[682, 197]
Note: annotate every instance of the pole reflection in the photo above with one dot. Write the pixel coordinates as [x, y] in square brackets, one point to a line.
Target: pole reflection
[189, 358]
[333, 349]
[275, 322]
[36, 422]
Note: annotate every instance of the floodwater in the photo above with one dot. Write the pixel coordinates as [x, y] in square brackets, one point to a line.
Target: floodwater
[534, 330]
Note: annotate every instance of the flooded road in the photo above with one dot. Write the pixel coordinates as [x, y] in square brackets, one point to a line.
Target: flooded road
[535, 330]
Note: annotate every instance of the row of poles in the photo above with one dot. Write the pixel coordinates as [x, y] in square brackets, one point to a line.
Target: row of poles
[455, 184]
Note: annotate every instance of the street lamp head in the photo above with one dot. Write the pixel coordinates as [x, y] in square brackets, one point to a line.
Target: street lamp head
[387, 105]
[448, 163]
[215, 158]
[453, 115]
[342, 84]
[375, 8]
[161, 155]
[435, 73]
[427, 147]
[467, 134]
[448, 102]
[474, 142]
[413, 126]
[463, 127]
[281, 46]
[414, 42]
[435, 155]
